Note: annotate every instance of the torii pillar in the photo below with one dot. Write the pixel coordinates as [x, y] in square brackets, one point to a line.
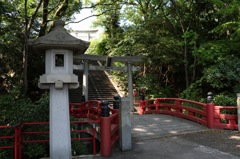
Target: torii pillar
[59, 47]
[130, 85]
[85, 80]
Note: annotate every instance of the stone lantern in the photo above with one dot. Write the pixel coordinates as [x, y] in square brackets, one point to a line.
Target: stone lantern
[59, 47]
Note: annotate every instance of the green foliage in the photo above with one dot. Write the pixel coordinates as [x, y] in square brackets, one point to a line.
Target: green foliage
[13, 109]
[78, 148]
[224, 75]
[16, 110]
[152, 89]
[92, 49]
[20, 22]
[102, 48]
[35, 150]
[174, 42]
[11, 43]
[193, 92]
[212, 53]
[224, 100]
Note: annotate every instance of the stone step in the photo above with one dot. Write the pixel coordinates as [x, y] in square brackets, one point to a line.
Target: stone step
[100, 87]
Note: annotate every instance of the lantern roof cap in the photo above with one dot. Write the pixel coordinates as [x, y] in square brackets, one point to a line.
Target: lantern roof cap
[58, 38]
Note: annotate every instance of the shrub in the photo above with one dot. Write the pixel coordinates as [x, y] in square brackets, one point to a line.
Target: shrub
[16, 110]
[193, 92]
[224, 100]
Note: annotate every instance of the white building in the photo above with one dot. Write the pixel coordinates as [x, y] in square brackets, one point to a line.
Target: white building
[87, 35]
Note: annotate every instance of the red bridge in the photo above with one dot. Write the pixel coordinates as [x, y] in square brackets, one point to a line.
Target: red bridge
[100, 122]
[209, 115]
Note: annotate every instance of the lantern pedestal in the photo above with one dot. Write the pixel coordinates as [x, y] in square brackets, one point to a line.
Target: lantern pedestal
[60, 137]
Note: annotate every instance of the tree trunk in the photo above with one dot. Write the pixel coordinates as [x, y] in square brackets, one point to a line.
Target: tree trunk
[186, 63]
[25, 55]
[28, 26]
[194, 65]
[44, 18]
[61, 9]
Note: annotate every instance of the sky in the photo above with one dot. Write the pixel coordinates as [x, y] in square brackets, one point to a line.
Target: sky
[86, 24]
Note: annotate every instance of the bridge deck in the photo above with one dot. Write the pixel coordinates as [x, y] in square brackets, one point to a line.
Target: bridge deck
[155, 126]
[163, 136]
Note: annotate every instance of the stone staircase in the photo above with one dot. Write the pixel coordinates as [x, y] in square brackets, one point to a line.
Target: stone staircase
[100, 87]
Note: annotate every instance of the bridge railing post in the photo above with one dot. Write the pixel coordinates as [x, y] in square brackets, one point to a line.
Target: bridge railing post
[141, 104]
[116, 105]
[105, 126]
[94, 138]
[238, 110]
[83, 98]
[210, 111]
[17, 142]
[116, 102]
[178, 106]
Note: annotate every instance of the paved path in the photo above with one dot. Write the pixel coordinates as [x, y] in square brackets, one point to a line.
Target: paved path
[156, 136]
[156, 125]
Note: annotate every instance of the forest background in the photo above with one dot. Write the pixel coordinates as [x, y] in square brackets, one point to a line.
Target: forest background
[190, 47]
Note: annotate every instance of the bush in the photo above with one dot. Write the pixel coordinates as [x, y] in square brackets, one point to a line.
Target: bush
[16, 110]
[224, 100]
[193, 92]
[78, 148]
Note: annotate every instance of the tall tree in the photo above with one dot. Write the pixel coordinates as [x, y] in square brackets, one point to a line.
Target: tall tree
[29, 19]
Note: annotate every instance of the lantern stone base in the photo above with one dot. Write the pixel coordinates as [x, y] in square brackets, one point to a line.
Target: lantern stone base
[58, 80]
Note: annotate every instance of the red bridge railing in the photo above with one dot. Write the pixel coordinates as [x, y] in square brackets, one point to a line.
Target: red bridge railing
[225, 117]
[206, 114]
[109, 132]
[14, 137]
[90, 109]
[109, 126]
[91, 131]
[27, 135]
[23, 134]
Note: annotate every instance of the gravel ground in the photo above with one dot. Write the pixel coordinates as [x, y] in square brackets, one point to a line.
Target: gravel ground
[223, 140]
